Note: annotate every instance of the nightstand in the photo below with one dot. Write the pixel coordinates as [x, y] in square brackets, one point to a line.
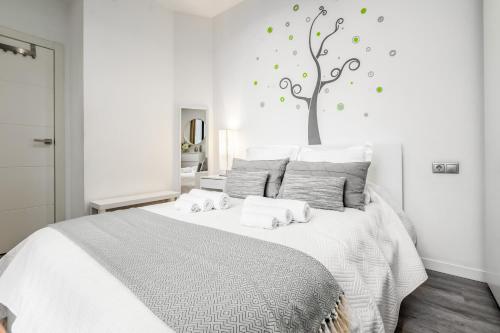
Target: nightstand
[138, 200]
[212, 183]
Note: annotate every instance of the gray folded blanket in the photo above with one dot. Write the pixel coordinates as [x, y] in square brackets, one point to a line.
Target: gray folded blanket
[200, 279]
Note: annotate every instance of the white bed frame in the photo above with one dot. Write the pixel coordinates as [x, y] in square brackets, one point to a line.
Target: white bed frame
[387, 170]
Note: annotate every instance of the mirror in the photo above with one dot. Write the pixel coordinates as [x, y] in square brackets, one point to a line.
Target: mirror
[194, 131]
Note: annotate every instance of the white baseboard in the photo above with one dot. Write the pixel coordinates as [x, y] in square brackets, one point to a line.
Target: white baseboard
[453, 269]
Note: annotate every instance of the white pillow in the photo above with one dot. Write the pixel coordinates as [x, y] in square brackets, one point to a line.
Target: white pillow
[267, 153]
[336, 154]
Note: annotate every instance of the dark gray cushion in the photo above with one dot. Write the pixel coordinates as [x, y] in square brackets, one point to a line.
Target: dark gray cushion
[318, 192]
[355, 174]
[275, 168]
[240, 184]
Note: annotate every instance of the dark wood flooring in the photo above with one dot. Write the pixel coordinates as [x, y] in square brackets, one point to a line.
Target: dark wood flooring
[449, 304]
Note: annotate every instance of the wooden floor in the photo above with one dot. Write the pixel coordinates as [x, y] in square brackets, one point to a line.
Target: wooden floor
[449, 304]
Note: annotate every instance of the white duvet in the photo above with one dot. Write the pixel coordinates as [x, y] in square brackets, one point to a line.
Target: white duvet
[54, 287]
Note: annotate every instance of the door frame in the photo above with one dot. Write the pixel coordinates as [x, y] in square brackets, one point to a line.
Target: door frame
[59, 121]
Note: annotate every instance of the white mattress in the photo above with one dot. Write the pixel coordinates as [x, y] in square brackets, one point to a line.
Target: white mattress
[53, 286]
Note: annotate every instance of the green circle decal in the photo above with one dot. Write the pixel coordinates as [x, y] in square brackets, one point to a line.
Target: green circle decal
[270, 30]
[340, 107]
[255, 83]
[363, 10]
[318, 34]
[276, 66]
[282, 99]
[356, 39]
[296, 8]
[290, 37]
[380, 89]
[305, 75]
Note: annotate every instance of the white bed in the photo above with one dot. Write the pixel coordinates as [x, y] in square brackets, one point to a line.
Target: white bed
[369, 253]
[53, 286]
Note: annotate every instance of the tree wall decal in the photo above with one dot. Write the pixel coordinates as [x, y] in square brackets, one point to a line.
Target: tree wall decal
[352, 64]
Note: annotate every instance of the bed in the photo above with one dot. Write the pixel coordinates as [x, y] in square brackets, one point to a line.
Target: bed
[50, 284]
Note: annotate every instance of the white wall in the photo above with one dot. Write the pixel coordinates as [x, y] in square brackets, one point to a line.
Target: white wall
[492, 138]
[432, 100]
[193, 78]
[74, 150]
[128, 97]
[58, 20]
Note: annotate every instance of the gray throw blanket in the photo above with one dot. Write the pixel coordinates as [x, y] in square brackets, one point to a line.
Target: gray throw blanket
[199, 279]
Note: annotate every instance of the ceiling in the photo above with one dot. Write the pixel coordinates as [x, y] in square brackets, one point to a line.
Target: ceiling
[206, 8]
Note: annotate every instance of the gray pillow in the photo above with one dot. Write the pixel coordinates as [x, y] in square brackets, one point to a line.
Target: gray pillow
[240, 184]
[275, 168]
[317, 191]
[355, 174]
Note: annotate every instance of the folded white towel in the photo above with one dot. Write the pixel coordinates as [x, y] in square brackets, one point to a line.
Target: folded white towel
[220, 200]
[301, 211]
[186, 206]
[205, 204]
[255, 220]
[283, 215]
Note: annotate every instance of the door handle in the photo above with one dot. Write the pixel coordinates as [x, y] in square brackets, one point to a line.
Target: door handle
[45, 141]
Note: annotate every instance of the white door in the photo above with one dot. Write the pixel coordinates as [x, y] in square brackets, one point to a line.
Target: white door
[26, 165]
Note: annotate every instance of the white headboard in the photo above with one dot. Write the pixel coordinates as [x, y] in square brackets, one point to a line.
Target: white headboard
[386, 169]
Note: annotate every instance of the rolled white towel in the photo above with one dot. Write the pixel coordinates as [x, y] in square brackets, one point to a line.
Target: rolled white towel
[205, 204]
[256, 220]
[186, 206]
[283, 215]
[220, 200]
[301, 211]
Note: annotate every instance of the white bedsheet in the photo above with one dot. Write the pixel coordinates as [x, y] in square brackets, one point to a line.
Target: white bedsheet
[369, 253]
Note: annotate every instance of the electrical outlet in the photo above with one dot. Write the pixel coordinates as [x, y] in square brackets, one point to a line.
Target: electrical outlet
[438, 167]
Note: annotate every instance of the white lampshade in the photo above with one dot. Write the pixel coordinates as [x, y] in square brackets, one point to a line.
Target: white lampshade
[227, 148]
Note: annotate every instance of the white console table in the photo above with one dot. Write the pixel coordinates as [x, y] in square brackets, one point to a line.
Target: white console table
[130, 201]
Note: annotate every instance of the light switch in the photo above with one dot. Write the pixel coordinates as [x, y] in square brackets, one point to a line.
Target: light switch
[453, 168]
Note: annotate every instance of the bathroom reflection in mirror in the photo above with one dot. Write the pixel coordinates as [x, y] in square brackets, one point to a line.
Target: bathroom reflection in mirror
[194, 144]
